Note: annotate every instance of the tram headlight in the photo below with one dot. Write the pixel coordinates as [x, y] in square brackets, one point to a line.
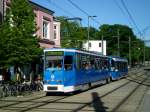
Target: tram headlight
[112, 69]
[116, 70]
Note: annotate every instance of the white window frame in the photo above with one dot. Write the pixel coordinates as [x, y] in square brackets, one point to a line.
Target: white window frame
[46, 36]
[55, 35]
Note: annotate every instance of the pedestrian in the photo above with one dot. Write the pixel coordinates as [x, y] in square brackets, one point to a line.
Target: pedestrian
[8, 75]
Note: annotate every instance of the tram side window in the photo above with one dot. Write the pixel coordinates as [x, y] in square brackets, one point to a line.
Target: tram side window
[100, 64]
[96, 64]
[119, 66]
[105, 64]
[85, 64]
[68, 62]
[1, 75]
[116, 66]
[112, 65]
[92, 64]
[78, 62]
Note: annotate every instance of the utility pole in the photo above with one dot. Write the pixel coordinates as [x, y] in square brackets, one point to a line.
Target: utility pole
[144, 54]
[118, 38]
[118, 42]
[144, 31]
[102, 44]
[88, 32]
[89, 29]
[130, 51]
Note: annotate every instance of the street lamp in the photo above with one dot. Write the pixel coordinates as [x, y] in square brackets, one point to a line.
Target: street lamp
[89, 29]
[143, 33]
[130, 63]
[138, 60]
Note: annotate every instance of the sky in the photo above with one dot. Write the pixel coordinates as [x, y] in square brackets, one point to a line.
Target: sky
[134, 13]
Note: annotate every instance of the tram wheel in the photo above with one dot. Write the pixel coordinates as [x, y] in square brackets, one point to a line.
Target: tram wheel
[108, 80]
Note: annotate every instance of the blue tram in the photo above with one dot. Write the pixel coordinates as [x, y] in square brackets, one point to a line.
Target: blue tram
[118, 67]
[68, 70]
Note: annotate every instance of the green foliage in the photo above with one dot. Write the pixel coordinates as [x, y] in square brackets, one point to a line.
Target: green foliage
[72, 34]
[19, 44]
[4, 33]
[110, 34]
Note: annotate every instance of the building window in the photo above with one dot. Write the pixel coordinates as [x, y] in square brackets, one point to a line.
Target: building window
[54, 27]
[100, 45]
[90, 44]
[45, 29]
[55, 34]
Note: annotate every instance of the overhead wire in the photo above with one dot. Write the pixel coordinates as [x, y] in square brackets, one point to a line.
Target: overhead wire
[76, 6]
[124, 14]
[65, 11]
[62, 9]
[131, 18]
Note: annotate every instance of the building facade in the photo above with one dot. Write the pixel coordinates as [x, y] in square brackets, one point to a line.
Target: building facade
[48, 28]
[96, 46]
[48, 32]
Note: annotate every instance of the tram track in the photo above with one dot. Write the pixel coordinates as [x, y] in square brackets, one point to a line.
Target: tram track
[43, 103]
[35, 100]
[89, 103]
[140, 102]
[38, 103]
[18, 102]
[125, 99]
[109, 93]
[59, 99]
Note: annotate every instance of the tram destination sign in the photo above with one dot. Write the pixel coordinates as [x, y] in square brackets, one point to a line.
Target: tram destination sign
[54, 53]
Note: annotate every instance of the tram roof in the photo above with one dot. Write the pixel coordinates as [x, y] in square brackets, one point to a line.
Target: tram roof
[75, 50]
[119, 59]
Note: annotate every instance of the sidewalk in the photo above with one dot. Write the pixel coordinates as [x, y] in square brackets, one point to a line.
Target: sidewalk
[32, 94]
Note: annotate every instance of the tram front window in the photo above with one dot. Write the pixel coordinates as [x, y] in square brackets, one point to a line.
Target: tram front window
[54, 62]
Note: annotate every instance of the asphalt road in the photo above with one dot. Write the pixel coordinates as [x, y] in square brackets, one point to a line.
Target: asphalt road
[130, 94]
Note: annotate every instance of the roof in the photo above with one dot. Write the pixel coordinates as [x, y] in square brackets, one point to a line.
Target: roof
[119, 59]
[73, 50]
[41, 7]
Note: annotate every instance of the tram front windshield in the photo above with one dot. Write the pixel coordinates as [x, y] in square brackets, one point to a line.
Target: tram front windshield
[53, 60]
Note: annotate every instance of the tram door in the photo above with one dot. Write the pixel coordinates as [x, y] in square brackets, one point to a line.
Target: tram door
[68, 69]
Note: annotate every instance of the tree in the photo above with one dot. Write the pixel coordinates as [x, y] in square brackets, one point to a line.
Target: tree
[72, 34]
[111, 33]
[4, 32]
[20, 46]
